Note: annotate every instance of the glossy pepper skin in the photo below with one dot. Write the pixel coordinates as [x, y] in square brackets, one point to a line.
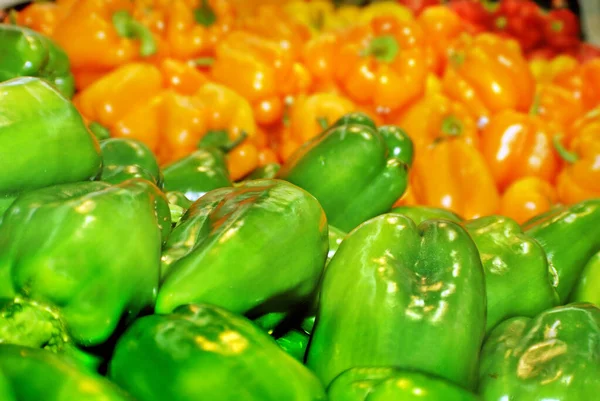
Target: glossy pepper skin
[488, 74]
[382, 63]
[44, 141]
[218, 234]
[395, 290]
[435, 117]
[526, 198]
[198, 173]
[99, 36]
[586, 289]
[419, 214]
[386, 383]
[579, 178]
[33, 374]
[56, 301]
[28, 53]
[517, 145]
[553, 356]
[453, 175]
[351, 168]
[124, 158]
[517, 277]
[211, 343]
[567, 259]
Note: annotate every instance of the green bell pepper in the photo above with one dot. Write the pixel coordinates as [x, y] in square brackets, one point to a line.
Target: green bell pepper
[351, 168]
[257, 248]
[197, 173]
[570, 236]
[29, 53]
[394, 292]
[203, 352]
[553, 356]
[78, 259]
[43, 140]
[6, 391]
[34, 374]
[393, 384]
[517, 278]
[419, 214]
[125, 158]
[294, 342]
[587, 288]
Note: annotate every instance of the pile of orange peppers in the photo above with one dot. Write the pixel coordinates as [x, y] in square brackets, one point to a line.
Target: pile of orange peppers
[493, 132]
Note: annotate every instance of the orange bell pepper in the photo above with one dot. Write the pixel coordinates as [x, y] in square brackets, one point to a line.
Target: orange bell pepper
[382, 63]
[310, 115]
[100, 35]
[42, 16]
[441, 26]
[141, 101]
[259, 69]
[181, 76]
[526, 198]
[194, 27]
[453, 175]
[557, 104]
[114, 95]
[584, 82]
[435, 117]
[319, 58]
[517, 145]
[545, 71]
[273, 22]
[489, 74]
[580, 177]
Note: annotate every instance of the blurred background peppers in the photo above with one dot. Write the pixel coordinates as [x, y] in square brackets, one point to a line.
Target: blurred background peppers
[273, 75]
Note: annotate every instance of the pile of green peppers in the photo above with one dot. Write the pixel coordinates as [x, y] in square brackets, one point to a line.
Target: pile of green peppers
[124, 280]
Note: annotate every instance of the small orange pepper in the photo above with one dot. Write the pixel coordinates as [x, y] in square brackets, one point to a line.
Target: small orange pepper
[382, 63]
[517, 145]
[453, 175]
[489, 74]
[526, 198]
[435, 117]
[580, 177]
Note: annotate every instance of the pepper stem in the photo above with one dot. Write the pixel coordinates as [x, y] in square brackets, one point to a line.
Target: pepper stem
[176, 213]
[203, 62]
[451, 126]
[569, 157]
[220, 139]
[205, 15]
[535, 105]
[383, 48]
[322, 123]
[99, 130]
[127, 27]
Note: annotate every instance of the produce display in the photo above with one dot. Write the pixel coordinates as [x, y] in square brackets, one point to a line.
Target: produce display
[298, 200]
